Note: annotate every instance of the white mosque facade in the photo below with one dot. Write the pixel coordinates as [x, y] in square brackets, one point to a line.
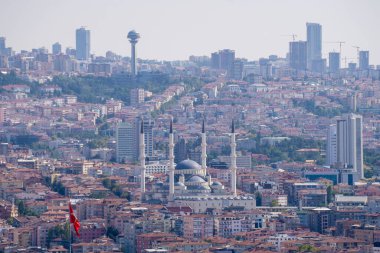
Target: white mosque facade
[189, 184]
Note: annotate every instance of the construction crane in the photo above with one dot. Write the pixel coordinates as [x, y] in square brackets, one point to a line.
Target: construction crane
[294, 36]
[357, 50]
[337, 42]
[345, 61]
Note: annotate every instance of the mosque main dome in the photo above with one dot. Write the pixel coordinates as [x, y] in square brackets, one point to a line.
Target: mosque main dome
[188, 165]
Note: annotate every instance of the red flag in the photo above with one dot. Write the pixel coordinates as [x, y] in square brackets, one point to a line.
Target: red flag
[74, 220]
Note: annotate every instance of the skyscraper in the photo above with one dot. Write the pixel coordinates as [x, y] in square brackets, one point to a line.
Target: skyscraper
[224, 59]
[133, 38]
[334, 62]
[215, 60]
[314, 44]
[2, 45]
[180, 150]
[56, 48]
[331, 158]
[238, 69]
[227, 59]
[350, 145]
[148, 125]
[363, 60]
[298, 55]
[83, 44]
[128, 141]
[125, 142]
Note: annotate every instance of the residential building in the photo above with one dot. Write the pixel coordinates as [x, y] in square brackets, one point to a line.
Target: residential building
[298, 55]
[137, 96]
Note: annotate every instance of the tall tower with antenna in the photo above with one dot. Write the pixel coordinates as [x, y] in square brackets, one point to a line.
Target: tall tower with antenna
[133, 38]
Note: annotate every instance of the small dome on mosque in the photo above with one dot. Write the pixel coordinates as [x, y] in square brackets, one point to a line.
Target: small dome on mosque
[188, 165]
[198, 188]
[179, 184]
[196, 179]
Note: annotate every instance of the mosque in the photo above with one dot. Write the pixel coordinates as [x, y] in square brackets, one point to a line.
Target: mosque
[189, 184]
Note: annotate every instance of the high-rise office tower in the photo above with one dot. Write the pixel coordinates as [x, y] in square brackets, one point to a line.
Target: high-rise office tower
[125, 142]
[137, 96]
[349, 147]
[334, 62]
[148, 125]
[180, 150]
[227, 59]
[351, 66]
[265, 68]
[363, 60]
[82, 43]
[215, 60]
[56, 48]
[238, 69]
[133, 38]
[314, 44]
[298, 55]
[331, 157]
[224, 59]
[128, 139]
[2, 45]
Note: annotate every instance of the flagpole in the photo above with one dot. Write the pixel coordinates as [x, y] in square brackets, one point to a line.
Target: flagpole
[69, 237]
[69, 233]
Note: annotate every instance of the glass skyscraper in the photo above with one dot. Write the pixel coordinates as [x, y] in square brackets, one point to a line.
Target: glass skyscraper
[334, 62]
[82, 43]
[363, 60]
[298, 55]
[314, 44]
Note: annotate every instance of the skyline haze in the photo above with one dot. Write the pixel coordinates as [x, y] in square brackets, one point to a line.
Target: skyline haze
[172, 30]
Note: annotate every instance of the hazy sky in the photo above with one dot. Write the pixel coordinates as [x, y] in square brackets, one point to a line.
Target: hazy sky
[175, 29]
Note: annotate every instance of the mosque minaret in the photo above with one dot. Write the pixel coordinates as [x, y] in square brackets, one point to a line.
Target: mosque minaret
[190, 184]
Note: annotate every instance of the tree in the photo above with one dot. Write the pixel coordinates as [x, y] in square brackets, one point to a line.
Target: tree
[307, 248]
[60, 231]
[274, 203]
[330, 194]
[112, 233]
[57, 186]
[259, 199]
[23, 210]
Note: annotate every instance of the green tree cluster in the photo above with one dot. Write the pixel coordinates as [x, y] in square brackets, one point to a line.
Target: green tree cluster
[310, 106]
[23, 210]
[115, 188]
[59, 231]
[287, 150]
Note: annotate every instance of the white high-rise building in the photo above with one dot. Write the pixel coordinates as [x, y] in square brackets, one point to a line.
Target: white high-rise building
[125, 142]
[331, 157]
[349, 147]
[148, 125]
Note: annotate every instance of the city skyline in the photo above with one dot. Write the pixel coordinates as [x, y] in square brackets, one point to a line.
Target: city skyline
[166, 19]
